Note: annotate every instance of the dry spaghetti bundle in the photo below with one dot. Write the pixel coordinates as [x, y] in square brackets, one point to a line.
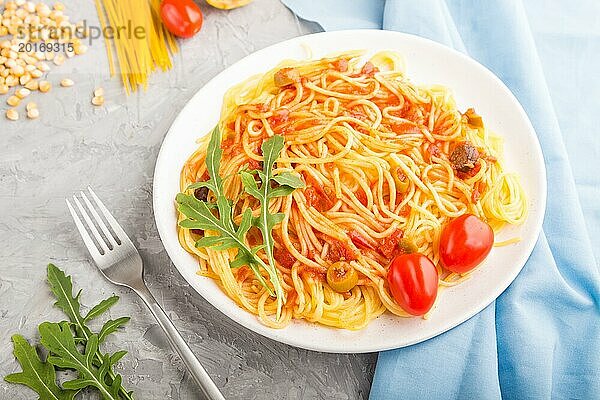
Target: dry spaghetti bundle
[136, 37]
[385, 163]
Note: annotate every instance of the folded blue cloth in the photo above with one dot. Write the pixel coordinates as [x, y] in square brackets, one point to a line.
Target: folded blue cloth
[541, 338]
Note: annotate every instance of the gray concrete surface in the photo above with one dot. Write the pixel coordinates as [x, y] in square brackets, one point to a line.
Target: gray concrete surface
[113, 149]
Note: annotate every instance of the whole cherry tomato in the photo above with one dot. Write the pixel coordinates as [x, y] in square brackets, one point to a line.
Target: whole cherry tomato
[182, 18]
[413, 282]
[464, 243]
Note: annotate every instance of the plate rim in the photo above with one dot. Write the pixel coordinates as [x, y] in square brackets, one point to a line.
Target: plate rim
[276, 334]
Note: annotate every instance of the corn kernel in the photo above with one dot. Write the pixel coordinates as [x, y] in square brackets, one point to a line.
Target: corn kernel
[18, 71]
[98, 100]
[12, 114]
[31, 105]
[24, 79]
[66, 82]
[33, 113]
[32, 85]
[80, 49]
[22, 93]
[42, 66]
[10, 63]
[45, 86]
[43, 10]
[10, 80]
[59, 59]
[13, 101]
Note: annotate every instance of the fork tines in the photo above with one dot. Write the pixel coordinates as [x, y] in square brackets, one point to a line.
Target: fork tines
[97, 236]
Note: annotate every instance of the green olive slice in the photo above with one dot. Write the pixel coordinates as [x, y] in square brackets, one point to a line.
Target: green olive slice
[407, 246]
[342, 276]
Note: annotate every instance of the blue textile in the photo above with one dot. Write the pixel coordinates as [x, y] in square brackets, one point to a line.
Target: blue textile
[541, 338]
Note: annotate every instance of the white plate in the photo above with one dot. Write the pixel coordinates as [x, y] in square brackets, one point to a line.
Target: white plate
[427, 62]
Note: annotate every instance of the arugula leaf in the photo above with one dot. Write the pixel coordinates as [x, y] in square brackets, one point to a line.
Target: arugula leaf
[199, 216]
[226, 234]
[266, 221]
[37, 375]
[62, 287]
[288, 179]
[63, 341]
[100, 308]
[111, 326]
[58, 339]
[223, 234]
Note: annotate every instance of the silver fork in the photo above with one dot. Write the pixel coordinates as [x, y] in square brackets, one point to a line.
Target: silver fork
[120, 262]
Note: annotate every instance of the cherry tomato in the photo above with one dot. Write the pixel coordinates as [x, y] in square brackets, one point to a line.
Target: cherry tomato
[464, 243]
[182, 18]
[413, 282]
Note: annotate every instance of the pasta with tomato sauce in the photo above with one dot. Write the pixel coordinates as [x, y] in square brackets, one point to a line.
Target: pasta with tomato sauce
[384, 163]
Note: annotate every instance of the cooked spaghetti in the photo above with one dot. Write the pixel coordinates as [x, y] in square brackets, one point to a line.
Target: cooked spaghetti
[382, 159]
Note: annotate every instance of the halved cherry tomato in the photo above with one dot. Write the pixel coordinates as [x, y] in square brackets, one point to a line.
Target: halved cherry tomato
[464, 243]
[182, 18]
[413, 282]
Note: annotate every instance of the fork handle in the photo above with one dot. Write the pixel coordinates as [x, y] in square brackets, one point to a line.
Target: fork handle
[207, 386]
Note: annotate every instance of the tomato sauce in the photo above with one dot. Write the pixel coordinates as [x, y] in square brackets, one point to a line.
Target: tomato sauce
[472, 172]
[306, 123]
[243, 274]
[476, 195]
[362, 197]
[358, 114]
[254, 165]
[339, 251]
[478, 192]
[390, 100]
[434, 150]
[284, 257]
[340, 65]
[405, 210]
[279, 117]
[403, 127]
[369, 69]
[317, 199]
[360, 241]
[388, 245]
[231, 146]
[313, 272]
[322, 199]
